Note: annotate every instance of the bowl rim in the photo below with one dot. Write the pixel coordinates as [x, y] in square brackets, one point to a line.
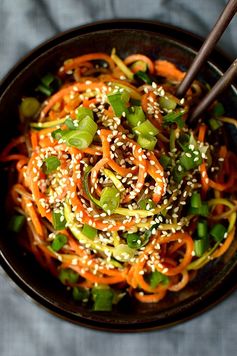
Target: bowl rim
[211, 298]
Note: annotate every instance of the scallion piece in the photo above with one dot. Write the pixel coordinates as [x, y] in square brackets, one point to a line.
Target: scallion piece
[80, 294]
[214, 124]
[146, 204]
[29, 107]
[82, 112]
[218, 110]
[123, 253]
[167, 102]
[59, 220]
[155, 278]
[196, 201]
[89, 231]
[57, 134]
[48, 84]
[109, 199]
[118, 104]
[69, 123]
[178, 173]
[78, 139]
[218, 232]
[202, 229]
[51, 164]
[59, 241]
[134, 240]
[174, 118]
[203, 210]
[68, 276]
[103, 298]
[87, 124]
[165, 161]
[143, 76]
[146, 128]
[200, 247]
[16, 222]
[189, 160]
[136, 116]
[147, 142]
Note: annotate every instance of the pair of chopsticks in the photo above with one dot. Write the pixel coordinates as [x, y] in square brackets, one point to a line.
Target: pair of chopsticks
[227, 78]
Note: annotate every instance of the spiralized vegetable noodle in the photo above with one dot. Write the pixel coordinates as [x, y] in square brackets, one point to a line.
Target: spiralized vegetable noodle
[118, 194]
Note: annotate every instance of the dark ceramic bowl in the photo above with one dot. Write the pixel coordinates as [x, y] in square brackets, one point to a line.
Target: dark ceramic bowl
[215, 281]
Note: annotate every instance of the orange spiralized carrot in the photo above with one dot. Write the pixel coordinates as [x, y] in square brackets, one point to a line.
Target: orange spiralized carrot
[181, 284]
[168, 70]
[188, 241]
[75, 62]
[150, 298]
[140, 57]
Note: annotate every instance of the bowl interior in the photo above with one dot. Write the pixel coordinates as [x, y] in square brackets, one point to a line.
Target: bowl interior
[154, 40]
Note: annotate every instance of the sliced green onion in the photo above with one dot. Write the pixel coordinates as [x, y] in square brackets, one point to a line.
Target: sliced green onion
[57, 134]
[121, 65]
[49, 84]
[29, 107]
[146, 204]
[214, 124]
[69, 123]
[143, 76]
[78, 139]
[174, 118]
[103, 298]
[135, 116]
[200, 246]
[16, 222]
[218, 232]
[109, 199]
[59, 241]
[59, 221]
[167, 102]
[146, 128]
[44, 90]
[218, 110]
[202, 229]
[202, 211]
[172, 139]
[189, 160]
[87, 124]
[80, 294]
[123, 253]
[82, 112]
[165, 161]
[51, 164]
[196, 201]
[68, 276]
[134, 240]
[155, 278]
[147, 142]
[178, 173]
[89, 231]
[118, 104]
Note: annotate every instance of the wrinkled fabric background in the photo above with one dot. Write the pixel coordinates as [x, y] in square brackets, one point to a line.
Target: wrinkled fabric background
[26, 329]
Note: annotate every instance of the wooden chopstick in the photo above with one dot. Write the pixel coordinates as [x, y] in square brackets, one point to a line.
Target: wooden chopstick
[207, 46]
[218, 88]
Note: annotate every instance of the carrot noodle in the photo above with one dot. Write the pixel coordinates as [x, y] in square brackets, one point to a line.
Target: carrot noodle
[144, 230]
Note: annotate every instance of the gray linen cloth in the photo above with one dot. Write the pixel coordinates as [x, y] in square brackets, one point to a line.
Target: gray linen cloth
[26, 329]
